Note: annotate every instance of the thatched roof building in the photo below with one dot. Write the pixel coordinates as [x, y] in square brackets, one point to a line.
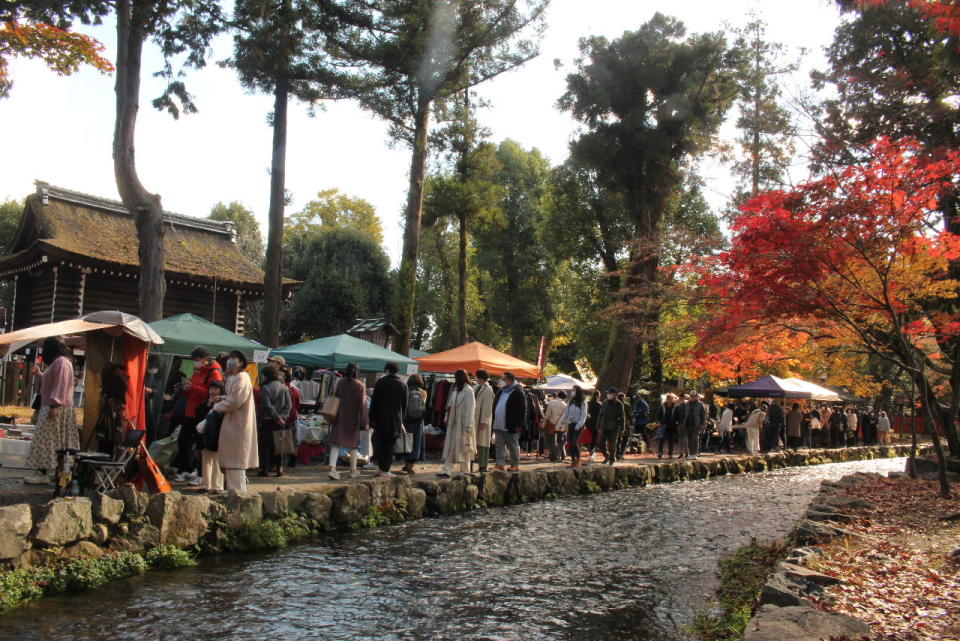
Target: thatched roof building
[75, 253]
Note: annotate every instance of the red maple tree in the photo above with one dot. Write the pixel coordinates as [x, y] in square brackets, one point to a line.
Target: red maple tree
[863, 248]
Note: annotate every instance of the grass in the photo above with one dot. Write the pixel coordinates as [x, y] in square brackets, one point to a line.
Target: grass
[741, 579]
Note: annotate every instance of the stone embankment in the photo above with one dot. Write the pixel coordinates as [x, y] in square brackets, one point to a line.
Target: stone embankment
[787, 610]
[127, 520]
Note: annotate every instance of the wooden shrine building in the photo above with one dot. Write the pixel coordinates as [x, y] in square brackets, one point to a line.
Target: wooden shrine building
[378, 331]
[74, 254]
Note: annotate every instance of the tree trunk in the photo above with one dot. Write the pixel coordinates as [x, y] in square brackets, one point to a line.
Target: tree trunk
[144, 206]
[619, 357]
[462, 281]
[407, 275]
[273, 270]
[655, 359]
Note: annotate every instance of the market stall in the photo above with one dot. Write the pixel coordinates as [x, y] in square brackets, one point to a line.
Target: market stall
[474, 356]
[336, 352]
[564, 383]
[109, 339]
[776, 387]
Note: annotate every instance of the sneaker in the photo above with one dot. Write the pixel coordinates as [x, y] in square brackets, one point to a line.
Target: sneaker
[335, 475]
[181, 477]
[370, 466]
[195, 481]
[386, 475]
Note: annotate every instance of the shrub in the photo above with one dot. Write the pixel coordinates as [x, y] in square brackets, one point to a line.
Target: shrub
[169, 557]
[267, 535]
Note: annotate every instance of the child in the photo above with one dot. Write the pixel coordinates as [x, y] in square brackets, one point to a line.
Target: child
[209, 429]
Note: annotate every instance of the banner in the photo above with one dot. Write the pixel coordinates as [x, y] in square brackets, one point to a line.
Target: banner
[541, 356]
[586, 372]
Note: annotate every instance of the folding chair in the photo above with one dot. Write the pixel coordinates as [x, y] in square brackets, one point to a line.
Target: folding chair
[107, 472]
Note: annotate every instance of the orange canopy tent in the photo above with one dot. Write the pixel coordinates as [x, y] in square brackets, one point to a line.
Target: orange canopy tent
[474, 356]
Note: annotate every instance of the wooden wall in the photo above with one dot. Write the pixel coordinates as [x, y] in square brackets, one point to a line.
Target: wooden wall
[104, 292]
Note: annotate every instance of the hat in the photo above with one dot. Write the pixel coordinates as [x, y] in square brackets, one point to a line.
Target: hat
[278, 359]
[612, 390]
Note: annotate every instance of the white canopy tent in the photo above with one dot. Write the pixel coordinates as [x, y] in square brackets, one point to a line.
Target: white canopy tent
[563, 383]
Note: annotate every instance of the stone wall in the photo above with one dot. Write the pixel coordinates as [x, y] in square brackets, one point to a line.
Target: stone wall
[130, 520]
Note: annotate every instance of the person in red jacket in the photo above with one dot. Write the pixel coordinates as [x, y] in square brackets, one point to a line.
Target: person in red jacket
[205, 371]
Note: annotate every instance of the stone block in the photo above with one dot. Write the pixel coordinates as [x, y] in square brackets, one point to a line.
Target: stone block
[276, 504]
[180, 520]
[817, 513]
[382, 492]
[318, 506]
[563, 482]
[350, 503]
[806, 575]
[107, 509]
[532, 485]
[845, 502]
[243, 509]
[16, 521]
[811, 532]
[134, 501]
[83, 549]
[493, 487]
[782, 592]
[100, 534]
[416, 502]
[470, 495]
[802, 623]
[603, 475]
[62, 521]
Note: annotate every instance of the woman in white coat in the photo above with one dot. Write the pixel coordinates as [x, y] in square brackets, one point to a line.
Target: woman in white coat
[237, 447]
[753, 424]
[460, 443]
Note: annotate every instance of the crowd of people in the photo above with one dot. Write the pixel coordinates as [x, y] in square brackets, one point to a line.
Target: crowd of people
[228, 426]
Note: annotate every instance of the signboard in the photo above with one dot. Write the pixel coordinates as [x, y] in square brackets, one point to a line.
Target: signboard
[412, 368]
[260, 355]
[586, 372]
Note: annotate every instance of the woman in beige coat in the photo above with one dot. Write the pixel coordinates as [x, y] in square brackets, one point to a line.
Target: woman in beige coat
[483, 418]
[237, 447]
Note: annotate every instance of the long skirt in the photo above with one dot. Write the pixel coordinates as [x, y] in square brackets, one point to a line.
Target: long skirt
[60, 433]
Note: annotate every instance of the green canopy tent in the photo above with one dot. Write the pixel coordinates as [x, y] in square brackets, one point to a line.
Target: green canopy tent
[183, 332]
[180, 335]
[339, 351]
[418, 353]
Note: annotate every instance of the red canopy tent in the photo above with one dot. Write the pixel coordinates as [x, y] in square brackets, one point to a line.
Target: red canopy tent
[474, 356]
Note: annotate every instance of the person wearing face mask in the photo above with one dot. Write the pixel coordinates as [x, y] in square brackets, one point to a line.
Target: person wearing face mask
[205, 370]
[611, 422]
[237, 443]
[153, 396]
[509, 418]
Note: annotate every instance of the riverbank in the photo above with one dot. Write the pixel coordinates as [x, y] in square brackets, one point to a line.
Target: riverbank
[130, 521]
[878, 560]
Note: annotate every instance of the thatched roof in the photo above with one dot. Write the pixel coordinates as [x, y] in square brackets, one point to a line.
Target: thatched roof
[88, 230]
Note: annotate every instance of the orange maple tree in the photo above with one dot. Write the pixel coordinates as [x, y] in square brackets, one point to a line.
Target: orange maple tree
[64, 52]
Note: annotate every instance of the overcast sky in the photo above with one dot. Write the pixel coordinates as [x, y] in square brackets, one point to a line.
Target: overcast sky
[60, 129]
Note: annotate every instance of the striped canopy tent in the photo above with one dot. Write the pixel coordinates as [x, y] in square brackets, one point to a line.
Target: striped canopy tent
[474, 356]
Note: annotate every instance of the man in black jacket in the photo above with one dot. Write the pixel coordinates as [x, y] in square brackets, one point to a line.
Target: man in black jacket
[388, 406]
[693, 417]
[509, 419]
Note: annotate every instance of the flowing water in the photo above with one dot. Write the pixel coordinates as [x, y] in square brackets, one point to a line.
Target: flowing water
[626, 565]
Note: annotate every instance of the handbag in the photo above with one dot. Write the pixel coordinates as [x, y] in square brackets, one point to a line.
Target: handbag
[549, 428]
[330, 408]
[283, 442]
[404, 442]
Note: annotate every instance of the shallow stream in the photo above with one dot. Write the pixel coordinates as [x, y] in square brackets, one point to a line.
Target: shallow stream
[620, 566]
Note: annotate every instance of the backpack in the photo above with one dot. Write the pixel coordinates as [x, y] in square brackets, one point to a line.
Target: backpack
[415, 404]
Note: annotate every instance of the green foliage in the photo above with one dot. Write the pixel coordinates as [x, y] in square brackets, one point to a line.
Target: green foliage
[268, 534]
[10, 212]
[767, 130]
[741, 579]
[375, 518]
[22, 585]
[516, 270]
[345, 274]
[169, 557]
[588, 486]
[249, 238]
[334, 210]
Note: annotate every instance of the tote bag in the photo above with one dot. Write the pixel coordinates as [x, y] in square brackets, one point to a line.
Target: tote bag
[330, 408]
[283, 442]
[404, 443]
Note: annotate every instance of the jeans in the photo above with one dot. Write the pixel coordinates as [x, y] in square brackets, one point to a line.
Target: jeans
[573, 438]
[419, 443]
[507, 441]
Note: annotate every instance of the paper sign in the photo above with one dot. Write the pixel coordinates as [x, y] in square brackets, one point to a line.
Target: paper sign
[260, 355]
[412, 369]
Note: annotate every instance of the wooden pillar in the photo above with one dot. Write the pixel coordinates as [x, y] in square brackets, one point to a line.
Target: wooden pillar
[53, 298]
